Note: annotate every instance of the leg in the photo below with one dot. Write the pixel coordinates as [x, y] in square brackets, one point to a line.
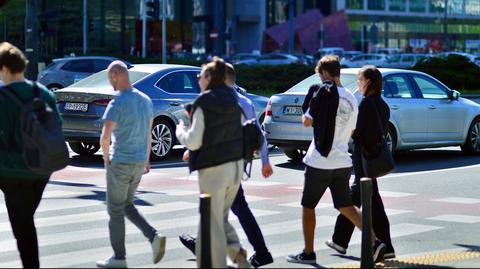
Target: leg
[131, 212]
[118, 177]
[249, 224]
[309, 222]
[22, 200]
[381, 225]
[343, 226]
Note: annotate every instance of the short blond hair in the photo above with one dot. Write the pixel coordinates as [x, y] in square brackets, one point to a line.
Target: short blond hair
[329, 64]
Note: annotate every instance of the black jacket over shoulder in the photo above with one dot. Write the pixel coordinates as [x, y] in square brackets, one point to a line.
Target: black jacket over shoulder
[367, 132]
[322, 99]
[223, 136]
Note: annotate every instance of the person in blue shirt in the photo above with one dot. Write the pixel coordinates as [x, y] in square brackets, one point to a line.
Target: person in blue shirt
[127, 124]
[262, 255]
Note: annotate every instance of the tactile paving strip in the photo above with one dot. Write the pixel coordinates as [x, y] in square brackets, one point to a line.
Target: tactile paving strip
[425, 261]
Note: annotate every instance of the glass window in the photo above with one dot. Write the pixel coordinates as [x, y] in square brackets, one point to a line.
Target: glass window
[100, 80]
[81, 66]
[376, 4]
[437, 6]
[417, 5]
[472, 7]
[399, 87]
[397, 5]
[354, 4]
[430, 89]
[100, 65]
[178, 82]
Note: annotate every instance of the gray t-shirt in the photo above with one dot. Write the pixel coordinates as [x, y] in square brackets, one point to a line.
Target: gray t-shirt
[131, 111]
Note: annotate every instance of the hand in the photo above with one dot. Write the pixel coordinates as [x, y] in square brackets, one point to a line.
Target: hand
[186, 156]
[147, 168]
[106, 161]
[307, 122]
[181, 125]
[267, 170]
[189, 116]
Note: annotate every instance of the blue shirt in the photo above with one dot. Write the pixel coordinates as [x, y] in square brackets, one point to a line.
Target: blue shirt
[131, 111]
[249, 110]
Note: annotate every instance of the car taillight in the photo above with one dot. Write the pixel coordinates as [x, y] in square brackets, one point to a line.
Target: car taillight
[268, 110]
[102, 102]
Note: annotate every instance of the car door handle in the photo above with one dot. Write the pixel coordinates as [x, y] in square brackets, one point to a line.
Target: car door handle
[174, 104]
[432, 107]
[394, 107]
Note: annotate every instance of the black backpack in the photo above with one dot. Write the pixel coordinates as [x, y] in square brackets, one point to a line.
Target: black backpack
[42, 143]
[252, 141]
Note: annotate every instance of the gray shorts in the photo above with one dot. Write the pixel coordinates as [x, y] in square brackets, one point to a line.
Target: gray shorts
[317, 181]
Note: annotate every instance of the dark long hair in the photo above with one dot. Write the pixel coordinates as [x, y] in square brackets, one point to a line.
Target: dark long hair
[374, 80]
[216, 70]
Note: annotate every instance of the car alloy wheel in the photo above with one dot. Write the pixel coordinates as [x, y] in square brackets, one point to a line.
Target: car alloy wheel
[472, 144]
[296, 155]
[83, 148]
[475, 136]
[162, 139]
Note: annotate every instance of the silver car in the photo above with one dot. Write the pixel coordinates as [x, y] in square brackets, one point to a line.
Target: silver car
[424, 114]
[63, 72]
[83, 104]
[376, 59]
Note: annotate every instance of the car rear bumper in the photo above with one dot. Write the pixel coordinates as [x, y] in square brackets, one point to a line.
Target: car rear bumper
[82, 136]
[288, 134]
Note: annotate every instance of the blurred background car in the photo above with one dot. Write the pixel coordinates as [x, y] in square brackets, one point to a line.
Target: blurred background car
[63, 72]
[471, 57]
[388, 51]
[272, 59]
[234, 59]
[404, 60]
[170, 87]
[424, 114]
[377, 59]
[350, 54]
[330, 51]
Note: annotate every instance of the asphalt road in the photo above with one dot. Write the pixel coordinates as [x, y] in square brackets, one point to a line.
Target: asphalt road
[432, 200]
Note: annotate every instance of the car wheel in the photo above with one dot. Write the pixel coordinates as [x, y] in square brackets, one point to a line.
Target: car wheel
[296, 155]
[472, 143]
[391, 139]
[83, 148]
[162, 139]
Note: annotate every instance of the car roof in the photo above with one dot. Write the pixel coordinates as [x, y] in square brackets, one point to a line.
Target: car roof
[384, 71]
[152, 68]
[85, 58]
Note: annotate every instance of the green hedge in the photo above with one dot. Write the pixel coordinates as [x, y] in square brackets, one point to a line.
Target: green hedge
[455, 71]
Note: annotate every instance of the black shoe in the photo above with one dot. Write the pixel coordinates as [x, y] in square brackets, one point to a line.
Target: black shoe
[389, 255]
[188, 241]
[379, 249]
[258, 260]
[303, 258]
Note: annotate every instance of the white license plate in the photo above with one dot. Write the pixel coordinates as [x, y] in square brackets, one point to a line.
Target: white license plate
[76, 107]
[292, 110]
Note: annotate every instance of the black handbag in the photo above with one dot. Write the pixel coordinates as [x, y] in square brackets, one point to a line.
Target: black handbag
[377, 161]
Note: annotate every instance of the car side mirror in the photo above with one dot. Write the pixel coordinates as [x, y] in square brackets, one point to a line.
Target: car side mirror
[454, 95]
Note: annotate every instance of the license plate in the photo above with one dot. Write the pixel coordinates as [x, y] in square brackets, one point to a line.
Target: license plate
[76, 107]
[292, 110]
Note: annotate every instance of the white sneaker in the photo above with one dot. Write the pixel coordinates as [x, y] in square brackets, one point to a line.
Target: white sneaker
[158, 246]
[112, 263]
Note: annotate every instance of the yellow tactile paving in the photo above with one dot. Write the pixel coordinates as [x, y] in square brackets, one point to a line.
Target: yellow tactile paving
[425, 260]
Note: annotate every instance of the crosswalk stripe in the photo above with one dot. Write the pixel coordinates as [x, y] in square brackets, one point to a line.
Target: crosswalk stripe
[65, 204]
[457, 218]
[102, 215]
[60, 193]
[281, 250]
[394, 194]
[458, 200]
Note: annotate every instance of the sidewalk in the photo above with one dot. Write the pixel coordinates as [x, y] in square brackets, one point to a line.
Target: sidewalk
[454, 258]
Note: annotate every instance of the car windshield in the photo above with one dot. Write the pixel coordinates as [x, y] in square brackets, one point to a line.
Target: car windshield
[349, 81]
[100, 79]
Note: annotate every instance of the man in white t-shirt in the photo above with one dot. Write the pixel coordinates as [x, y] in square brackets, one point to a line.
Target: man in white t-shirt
[334, 169]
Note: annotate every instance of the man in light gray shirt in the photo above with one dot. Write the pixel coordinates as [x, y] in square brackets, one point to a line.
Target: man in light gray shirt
[129, 119]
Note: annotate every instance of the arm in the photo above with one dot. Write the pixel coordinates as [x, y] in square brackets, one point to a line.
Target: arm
[105, 139]
[192, 138]
[307, 119]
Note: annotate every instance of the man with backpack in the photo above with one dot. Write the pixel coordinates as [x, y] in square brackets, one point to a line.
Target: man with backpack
[22, 176]
[240, 206]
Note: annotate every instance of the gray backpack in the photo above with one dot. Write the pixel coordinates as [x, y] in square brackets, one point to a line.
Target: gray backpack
[42, 142]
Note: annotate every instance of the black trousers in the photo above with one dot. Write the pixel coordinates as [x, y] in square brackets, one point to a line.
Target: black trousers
[22, 197]
[381, 226]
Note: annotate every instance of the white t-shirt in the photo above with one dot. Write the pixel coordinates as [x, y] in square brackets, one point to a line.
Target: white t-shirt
[345, 122]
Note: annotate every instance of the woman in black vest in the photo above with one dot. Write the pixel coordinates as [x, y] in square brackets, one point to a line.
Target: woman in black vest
[366, 134]
[215, 145]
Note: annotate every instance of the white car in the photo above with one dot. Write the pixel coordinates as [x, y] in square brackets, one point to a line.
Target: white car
[379, 60]
[424, 114]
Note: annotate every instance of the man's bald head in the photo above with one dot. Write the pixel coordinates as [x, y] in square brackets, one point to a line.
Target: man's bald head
[118, 75]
